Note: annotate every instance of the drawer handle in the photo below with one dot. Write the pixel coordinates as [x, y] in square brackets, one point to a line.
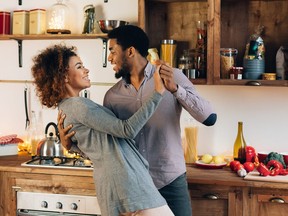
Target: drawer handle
[211, 196]
[277, 200]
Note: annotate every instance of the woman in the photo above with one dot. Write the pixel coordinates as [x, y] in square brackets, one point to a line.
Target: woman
[123, 183]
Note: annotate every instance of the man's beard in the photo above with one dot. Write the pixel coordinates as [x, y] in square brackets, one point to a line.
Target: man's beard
[124, 72]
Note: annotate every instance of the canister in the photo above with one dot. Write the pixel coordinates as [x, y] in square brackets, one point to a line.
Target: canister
[168, 51]
[227, 61]
[20, 22]
[37, 21]
[4, 22]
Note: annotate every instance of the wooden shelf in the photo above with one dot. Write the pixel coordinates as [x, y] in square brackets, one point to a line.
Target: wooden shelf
[53, 37]
[4, 37]
[20, 38]
[167, 1]
[279, 83]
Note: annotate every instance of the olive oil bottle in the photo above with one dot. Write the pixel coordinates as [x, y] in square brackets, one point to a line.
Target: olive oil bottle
[239, 152]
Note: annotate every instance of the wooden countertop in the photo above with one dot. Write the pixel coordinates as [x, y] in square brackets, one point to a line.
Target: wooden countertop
[194, 174]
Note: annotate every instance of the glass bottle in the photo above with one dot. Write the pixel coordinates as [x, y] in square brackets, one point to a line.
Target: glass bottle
[35, 134]
[240, 145]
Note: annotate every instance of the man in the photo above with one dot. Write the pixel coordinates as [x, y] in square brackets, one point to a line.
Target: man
[159, 141]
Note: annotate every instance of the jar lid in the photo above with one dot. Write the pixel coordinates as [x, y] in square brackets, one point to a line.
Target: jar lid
[168, 41]
[4, 12]
[37, 9]
[228, 51]
[19, 11]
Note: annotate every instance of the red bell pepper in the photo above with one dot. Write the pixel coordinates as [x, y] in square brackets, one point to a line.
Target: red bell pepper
[275, 167]
[263, 170]
[284, 172]
[250, 153]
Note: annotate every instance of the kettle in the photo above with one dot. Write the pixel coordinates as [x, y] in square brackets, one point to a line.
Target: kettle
[50, 146]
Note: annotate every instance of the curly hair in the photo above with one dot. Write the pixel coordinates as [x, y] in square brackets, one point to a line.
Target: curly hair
[49, 72]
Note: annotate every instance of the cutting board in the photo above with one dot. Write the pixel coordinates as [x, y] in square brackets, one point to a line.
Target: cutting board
[256, 177]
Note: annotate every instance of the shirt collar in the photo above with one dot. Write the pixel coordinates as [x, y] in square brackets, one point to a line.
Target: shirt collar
[149, 69]
[148, 72]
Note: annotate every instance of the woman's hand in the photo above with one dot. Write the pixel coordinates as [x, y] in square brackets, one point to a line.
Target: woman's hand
[167, 74]
[65, 137]
[159, 85]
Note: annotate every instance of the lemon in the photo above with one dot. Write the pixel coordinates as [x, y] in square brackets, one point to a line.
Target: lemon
[218, 159]
[207, 158]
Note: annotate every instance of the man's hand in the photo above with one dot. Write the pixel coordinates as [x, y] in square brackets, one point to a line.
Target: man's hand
[65, 137]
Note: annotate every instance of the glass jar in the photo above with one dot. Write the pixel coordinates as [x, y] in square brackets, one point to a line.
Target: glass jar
[186, 63]
[185, 60]
[89, 17]
[58, 19]
[227, 61]
[168, 51]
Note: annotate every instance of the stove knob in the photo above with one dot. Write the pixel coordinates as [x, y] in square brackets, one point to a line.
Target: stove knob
[59, 205]
[74, 206]
[44, 204]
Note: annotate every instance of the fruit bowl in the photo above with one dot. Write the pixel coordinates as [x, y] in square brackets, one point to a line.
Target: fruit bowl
[108, 25]
[201, 164]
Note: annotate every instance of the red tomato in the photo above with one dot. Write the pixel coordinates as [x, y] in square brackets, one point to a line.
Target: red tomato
[238, 167]
[249, 166]
[233, 164]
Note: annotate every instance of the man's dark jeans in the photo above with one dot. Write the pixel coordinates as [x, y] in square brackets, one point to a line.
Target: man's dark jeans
[177, 196]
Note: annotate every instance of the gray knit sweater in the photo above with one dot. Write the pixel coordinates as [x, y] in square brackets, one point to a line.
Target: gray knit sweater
[122, 180]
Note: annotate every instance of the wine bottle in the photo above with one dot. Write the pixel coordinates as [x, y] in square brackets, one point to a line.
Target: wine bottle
[239, 152]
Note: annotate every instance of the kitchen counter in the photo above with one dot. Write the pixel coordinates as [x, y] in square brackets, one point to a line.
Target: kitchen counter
[194, 174]
[211, 190]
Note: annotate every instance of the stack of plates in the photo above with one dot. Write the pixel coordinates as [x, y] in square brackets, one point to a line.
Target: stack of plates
[253, 69]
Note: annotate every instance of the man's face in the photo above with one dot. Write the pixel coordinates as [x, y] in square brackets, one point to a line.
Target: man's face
[118, 59]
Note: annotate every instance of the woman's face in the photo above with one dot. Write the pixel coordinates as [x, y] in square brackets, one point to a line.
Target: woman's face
[77, 78]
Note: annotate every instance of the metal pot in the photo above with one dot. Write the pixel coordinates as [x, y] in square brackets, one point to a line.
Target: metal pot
[50, 146]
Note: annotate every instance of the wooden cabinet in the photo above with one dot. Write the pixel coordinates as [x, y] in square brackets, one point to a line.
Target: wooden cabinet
[11, 182]
[211, 199]
[215, 200]
[229, 24]
[170, 19]
[267, 202]
[216, 192]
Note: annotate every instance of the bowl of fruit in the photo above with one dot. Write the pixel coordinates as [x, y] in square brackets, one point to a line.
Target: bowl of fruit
[208, 161]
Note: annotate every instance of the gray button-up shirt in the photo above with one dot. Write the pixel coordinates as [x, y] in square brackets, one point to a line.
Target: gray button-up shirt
[159, 141]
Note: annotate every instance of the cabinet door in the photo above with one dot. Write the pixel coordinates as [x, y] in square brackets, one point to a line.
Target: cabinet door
[266, 202]
[215, 200]
[41, 183]
[177, 20]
